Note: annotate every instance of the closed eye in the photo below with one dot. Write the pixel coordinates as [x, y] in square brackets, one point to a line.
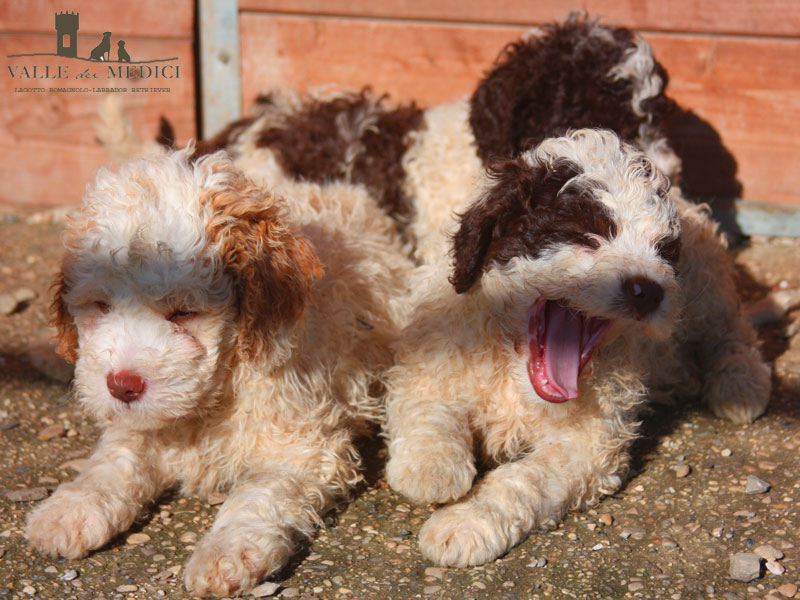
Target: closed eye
[180, 317]
[103, 307]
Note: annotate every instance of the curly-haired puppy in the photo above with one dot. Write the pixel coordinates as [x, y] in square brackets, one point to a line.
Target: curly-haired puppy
[226, 337]
[579, 287]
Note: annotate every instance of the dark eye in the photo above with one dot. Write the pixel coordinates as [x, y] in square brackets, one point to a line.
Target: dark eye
[669, 249]
[179, 317]
[102, 307]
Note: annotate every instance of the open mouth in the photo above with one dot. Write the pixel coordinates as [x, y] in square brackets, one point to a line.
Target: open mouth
[561, 342]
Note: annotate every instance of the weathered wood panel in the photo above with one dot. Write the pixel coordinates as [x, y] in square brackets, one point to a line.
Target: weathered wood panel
[743, 89]
[765, 17]
[47, 139]
[142, 18]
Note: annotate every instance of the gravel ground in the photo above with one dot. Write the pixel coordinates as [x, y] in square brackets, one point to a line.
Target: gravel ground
[670, 533]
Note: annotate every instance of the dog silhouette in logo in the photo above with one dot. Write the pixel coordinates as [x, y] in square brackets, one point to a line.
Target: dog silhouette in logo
[103, 50]
[122, 54]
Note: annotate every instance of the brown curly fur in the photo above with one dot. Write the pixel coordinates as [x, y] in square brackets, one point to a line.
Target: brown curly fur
[274, 268]
[326, 140]
[542, 86]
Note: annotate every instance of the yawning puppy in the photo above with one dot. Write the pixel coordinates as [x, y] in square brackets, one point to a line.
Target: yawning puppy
[579, 288]
[226, 339]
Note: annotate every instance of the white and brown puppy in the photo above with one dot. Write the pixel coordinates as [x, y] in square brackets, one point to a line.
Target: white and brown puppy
[579, 288]
[225, 339]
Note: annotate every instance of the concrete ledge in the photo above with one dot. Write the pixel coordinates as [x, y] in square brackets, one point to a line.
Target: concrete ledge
[746, 217]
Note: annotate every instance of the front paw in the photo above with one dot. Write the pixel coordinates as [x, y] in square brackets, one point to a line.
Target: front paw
[232, 561]
[430, 471]
[71, 523]
[464, 535]
[739, 387]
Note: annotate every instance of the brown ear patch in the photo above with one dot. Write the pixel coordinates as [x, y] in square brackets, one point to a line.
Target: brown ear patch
[60, 318]
[272, 266]
[527, 210]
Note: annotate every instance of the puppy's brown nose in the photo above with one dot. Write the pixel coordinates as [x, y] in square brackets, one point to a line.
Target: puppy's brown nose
[125, 386]
[643, 295]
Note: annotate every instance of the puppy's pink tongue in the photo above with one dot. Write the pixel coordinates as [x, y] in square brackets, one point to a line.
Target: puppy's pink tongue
[561, 350]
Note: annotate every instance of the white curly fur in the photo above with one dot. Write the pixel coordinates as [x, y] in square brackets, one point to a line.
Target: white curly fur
[461, 379]
[264, 405]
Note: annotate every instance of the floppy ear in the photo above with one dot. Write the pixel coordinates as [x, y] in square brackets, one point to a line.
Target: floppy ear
[511, 219]
[60, 318]
[273, 267]
[484, 220]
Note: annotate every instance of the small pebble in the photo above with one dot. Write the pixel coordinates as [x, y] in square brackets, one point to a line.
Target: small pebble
[51, 569]
[126, 588]
[606, 519]
[190, 537]
[268, 588]
[768, 552]
[137, 538]
[745, 566]
[538, 563]
[431, 589]
[756, 485]
[788, 590]
[669, 543]
[216, 498]
[436, 572]
[292, 592]
[10, 303]
[775, 568]
[69, 575]
[635, 586]
[625, 534]
[27, 494]
[52, 432]
[726, 452]
[682, 470]
[30, 590]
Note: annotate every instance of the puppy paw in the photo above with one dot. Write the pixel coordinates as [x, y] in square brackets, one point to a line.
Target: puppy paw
[230, 561]
[463, 535]
[429, 472]
[71, 523]
[739, 387]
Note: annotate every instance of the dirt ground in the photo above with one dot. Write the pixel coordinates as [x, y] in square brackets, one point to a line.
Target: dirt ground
[669, 533]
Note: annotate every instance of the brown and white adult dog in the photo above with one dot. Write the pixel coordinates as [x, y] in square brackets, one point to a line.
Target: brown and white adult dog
[579, 287]
[227, 337]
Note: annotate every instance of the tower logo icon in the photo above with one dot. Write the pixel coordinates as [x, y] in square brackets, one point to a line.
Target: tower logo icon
[67, 34]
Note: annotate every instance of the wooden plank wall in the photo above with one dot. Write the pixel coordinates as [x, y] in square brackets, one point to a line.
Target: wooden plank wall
[734, 66]
[47, 140]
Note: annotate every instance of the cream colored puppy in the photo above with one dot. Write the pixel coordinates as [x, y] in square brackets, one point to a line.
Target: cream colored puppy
[580, 286]
[226, 338]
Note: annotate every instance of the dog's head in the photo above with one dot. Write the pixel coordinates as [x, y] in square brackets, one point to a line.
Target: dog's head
[172, 271]
[568, 76]
[576, 240]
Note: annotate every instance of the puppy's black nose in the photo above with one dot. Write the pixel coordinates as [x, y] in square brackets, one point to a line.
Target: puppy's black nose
[125, 385]
[643, 295]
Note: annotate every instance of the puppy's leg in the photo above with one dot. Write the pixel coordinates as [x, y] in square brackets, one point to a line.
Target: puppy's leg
[430, 449]
[84, 514]
[736, 382]
[256, 528]
[569, 472]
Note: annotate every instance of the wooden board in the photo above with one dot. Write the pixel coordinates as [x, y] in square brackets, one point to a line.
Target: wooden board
[143, 18]
[765, 17]
[745, 90]
[47, 139]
